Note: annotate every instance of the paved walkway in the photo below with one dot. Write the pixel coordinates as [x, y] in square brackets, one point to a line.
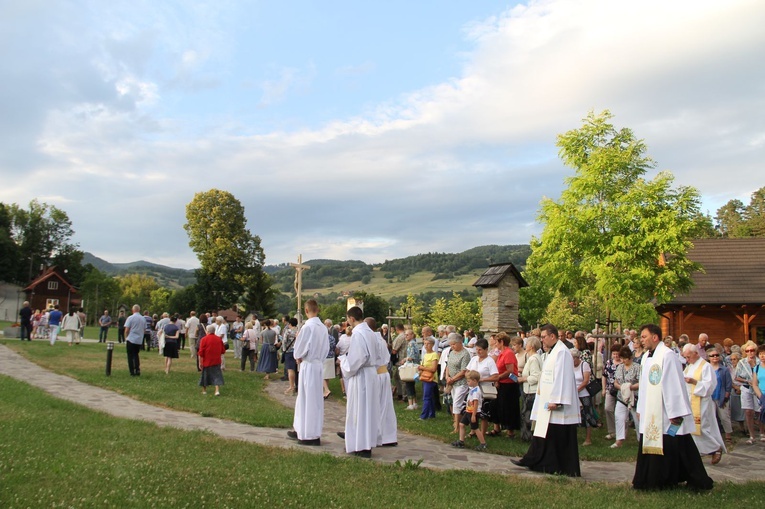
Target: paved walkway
[743, 464]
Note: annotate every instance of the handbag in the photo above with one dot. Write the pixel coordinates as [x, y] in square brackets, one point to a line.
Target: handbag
[406, 372]
[594, 387]
[489, 390]
[426, 376]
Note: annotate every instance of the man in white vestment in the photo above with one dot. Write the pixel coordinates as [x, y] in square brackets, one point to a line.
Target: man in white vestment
[311, 347]
[667, 455]
[701, 383]
[387, 435]
[362, 413]
[554, 448]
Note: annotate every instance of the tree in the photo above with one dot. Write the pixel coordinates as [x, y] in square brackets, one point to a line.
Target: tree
[614, 235]
[136, 289]
[230, 256]
[463, 314]
[416, 307]
[9, 251]
[754, 215]
[99, 291]
[42, 232]
[730, 219]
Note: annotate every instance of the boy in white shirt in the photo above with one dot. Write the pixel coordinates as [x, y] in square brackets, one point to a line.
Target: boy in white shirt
[472, 414]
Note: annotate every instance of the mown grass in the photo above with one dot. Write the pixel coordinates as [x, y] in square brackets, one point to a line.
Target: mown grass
[57, 454]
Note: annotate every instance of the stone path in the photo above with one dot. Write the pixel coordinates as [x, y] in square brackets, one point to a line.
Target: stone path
[743, 464]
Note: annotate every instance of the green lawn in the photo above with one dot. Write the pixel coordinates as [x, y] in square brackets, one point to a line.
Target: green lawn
[57, 454]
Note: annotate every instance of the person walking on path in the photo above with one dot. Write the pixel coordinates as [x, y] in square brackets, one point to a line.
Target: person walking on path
[667, 454]
[25, 315]
[54, 322]
[311, 348]
[211, 350]
[135, 326]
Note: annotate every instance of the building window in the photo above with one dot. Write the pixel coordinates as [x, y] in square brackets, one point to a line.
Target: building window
[51, 303]
[52, 285]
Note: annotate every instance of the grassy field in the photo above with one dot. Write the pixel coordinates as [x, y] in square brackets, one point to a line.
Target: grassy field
[419, 282]
[57, 454]
[245, 400]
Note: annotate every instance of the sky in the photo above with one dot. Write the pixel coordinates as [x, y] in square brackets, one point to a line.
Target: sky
[361, 130]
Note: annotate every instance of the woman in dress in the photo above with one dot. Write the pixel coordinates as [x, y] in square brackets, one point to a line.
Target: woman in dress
[744, 375]
[170, 350]
[582, 374]
[268, 362]
[70, 324]
[627, 382]
[508, 414]
[211, 349]
[532, 371]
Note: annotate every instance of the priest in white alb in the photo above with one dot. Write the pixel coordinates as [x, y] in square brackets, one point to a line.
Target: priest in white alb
[701, 382]
[311, 347]
[667, 455]
[362, 411]
[387, 434]
[554, 447]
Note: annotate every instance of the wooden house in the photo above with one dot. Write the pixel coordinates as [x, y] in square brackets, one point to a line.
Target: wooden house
[501, 284]
[52, 287]
[727, 299]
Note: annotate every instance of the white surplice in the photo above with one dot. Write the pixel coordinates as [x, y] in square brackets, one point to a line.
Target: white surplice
[558, 377]
[388, 430]
[674, 396]
[710, 440]
[362, 412]
[311, 346]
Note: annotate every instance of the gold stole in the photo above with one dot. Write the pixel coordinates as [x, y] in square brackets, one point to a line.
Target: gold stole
[696, 400]
[544, 389]
[653, 436]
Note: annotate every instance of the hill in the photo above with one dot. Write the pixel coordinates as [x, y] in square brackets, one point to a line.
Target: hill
[168, 277]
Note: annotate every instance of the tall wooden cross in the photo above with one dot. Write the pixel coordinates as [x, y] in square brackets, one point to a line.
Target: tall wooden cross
[299, 268]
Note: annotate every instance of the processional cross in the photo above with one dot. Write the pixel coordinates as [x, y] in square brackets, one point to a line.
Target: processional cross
[299, 268]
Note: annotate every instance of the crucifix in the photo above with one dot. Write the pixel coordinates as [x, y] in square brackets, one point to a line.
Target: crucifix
[299, 268]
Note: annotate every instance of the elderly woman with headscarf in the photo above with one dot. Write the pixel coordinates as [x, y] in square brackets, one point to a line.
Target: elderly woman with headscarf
[508, 410]
[532, 370]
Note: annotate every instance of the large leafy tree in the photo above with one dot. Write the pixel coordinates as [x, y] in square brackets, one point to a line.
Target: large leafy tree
[99, 291]
[9, 251]
[43, 235]
[614, 235]
[230, 256]
[734, 219]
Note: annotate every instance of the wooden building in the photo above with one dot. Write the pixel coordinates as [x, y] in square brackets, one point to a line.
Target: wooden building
[727, 299]
[52, 287]
[501, 284]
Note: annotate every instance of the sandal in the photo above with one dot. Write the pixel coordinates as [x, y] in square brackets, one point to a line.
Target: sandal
[750, 441]
[716, 457]
[492, 433]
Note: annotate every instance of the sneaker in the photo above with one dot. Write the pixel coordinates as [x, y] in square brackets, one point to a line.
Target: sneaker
[410, 407]
[459, 444]
[480, 447]
[415, 406]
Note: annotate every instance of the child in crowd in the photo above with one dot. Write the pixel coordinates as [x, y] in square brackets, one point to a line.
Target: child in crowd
[472, 414]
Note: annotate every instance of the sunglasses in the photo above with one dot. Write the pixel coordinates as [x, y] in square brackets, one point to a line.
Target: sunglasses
[750, 350]
[715, 355]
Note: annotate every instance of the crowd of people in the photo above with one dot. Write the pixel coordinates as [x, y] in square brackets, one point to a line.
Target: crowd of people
[683, 399]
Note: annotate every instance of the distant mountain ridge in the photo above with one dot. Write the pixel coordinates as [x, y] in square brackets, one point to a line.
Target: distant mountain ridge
[169, 277]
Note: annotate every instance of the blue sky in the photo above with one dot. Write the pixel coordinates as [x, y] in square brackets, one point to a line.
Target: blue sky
[361, 130]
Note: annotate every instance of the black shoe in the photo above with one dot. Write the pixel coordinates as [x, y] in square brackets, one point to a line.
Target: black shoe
[292, 435]
[517, 463]
[390, 444]
[315, 441]
[366, 453]
[284, 379]
[341, 434]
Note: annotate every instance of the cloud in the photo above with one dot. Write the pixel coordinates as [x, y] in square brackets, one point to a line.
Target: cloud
[443, 168]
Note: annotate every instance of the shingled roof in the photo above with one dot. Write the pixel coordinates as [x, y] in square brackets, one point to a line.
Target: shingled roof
[496, 272]
[735, 272]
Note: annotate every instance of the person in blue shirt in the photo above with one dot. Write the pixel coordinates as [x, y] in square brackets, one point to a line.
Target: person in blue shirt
[54, 322]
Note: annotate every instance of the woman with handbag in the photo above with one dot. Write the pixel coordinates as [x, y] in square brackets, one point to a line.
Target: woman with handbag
[532, 371]
[427, 369]
[413, 356]
[288, 338]
[609, 372]
[627, 383]
[487, 368]
[268, 362]
[249, 347]
[582, 374]
[508, 406]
